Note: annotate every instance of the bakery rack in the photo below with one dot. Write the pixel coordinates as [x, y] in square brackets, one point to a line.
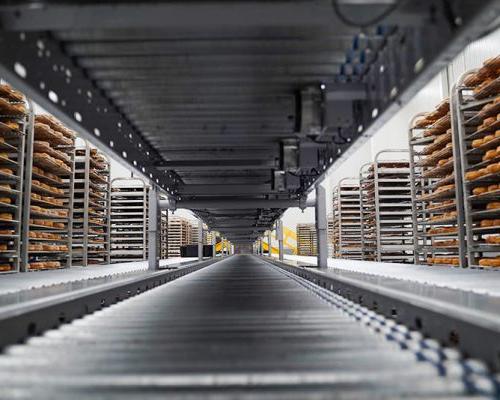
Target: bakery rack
[164, 234]
[48, 195]
[476, 104]
[16, 112]
[91, 222]
[367, 206]
[129, 213]
[392, 211]
[437, 213]
[347, 219]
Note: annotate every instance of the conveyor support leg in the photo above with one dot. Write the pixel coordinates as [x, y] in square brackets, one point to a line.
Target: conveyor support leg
[269, 242]
[214, 245]
[279, 233]
[321, 226]
[200, 240]
[154, 230]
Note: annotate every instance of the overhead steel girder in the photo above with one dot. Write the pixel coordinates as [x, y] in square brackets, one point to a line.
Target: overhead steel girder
[176, 14]
[179, 155]
[187, 99]
[34, 64]
[239, 229]
[220, 47]
[229, 189]
[186, 165]
[200, 76]
[238, 204]
[120, 71]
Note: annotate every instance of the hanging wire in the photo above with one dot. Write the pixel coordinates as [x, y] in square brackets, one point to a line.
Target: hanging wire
[363, 24]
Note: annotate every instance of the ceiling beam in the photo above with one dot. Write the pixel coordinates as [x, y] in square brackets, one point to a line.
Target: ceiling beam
[179, 14]
[229, 189]
[237, 204]
[186, 165]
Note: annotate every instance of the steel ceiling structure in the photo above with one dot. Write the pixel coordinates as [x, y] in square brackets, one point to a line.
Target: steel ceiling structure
[235, 109]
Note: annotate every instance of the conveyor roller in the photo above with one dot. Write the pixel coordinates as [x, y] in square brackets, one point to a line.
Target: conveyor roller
[240, 328]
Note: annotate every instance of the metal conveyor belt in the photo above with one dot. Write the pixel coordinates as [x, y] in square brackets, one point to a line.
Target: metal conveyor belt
[240, 328]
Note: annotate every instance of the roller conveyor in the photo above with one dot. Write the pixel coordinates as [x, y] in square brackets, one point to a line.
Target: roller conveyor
[240, 328]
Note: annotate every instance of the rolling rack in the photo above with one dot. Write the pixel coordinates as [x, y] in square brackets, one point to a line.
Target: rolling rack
[476, 104]
[16, 116]
[347, 219]
[164, 235]
[91, 222]
[436, 191]
[392, 212]
[367, 206]
[129, 213]
[48, 195]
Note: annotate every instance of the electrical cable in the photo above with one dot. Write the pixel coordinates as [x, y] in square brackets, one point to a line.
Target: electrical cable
[363, 24]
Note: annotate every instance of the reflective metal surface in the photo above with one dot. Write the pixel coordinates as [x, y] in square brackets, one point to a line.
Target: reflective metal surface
[240, 328]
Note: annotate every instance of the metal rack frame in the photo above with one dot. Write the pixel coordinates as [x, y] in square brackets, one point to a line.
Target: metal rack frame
[348, 244]
[164, 234]
[423, 192]
[99, 188]
[467, 119]
[67, 185]
[391, 180]
[129, 234]
[367, 204]
[15, 144]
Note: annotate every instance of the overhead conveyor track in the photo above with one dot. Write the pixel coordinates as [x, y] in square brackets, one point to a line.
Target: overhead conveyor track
[199, 96]
[236, 329]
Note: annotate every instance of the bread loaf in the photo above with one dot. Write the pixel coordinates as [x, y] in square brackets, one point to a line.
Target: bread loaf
[493, 239]
[5, 267]
[6, 216]
[490, 262]
[7, 171]
[493, 205]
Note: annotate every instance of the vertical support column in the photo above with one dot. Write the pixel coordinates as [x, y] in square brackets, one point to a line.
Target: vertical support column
[261, 247]
[269, 242]
[279, 234]
[321, 226]
[214, 245]
[26, 202]
[154, 230]
[200, 240]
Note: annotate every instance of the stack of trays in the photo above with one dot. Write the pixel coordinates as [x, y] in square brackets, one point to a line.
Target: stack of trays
[13, 125]
[49, 195]
[435, 198]
[164, 234]
[347, 219]
[91, 232]
[129, 210]
[368, 230]
[392, 211]
[478, 110]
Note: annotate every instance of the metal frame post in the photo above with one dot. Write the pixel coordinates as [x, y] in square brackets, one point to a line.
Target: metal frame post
[154, 230]
[200, 240]
[269, 242]
[321, 227]
[279, 234]
[214, 245]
